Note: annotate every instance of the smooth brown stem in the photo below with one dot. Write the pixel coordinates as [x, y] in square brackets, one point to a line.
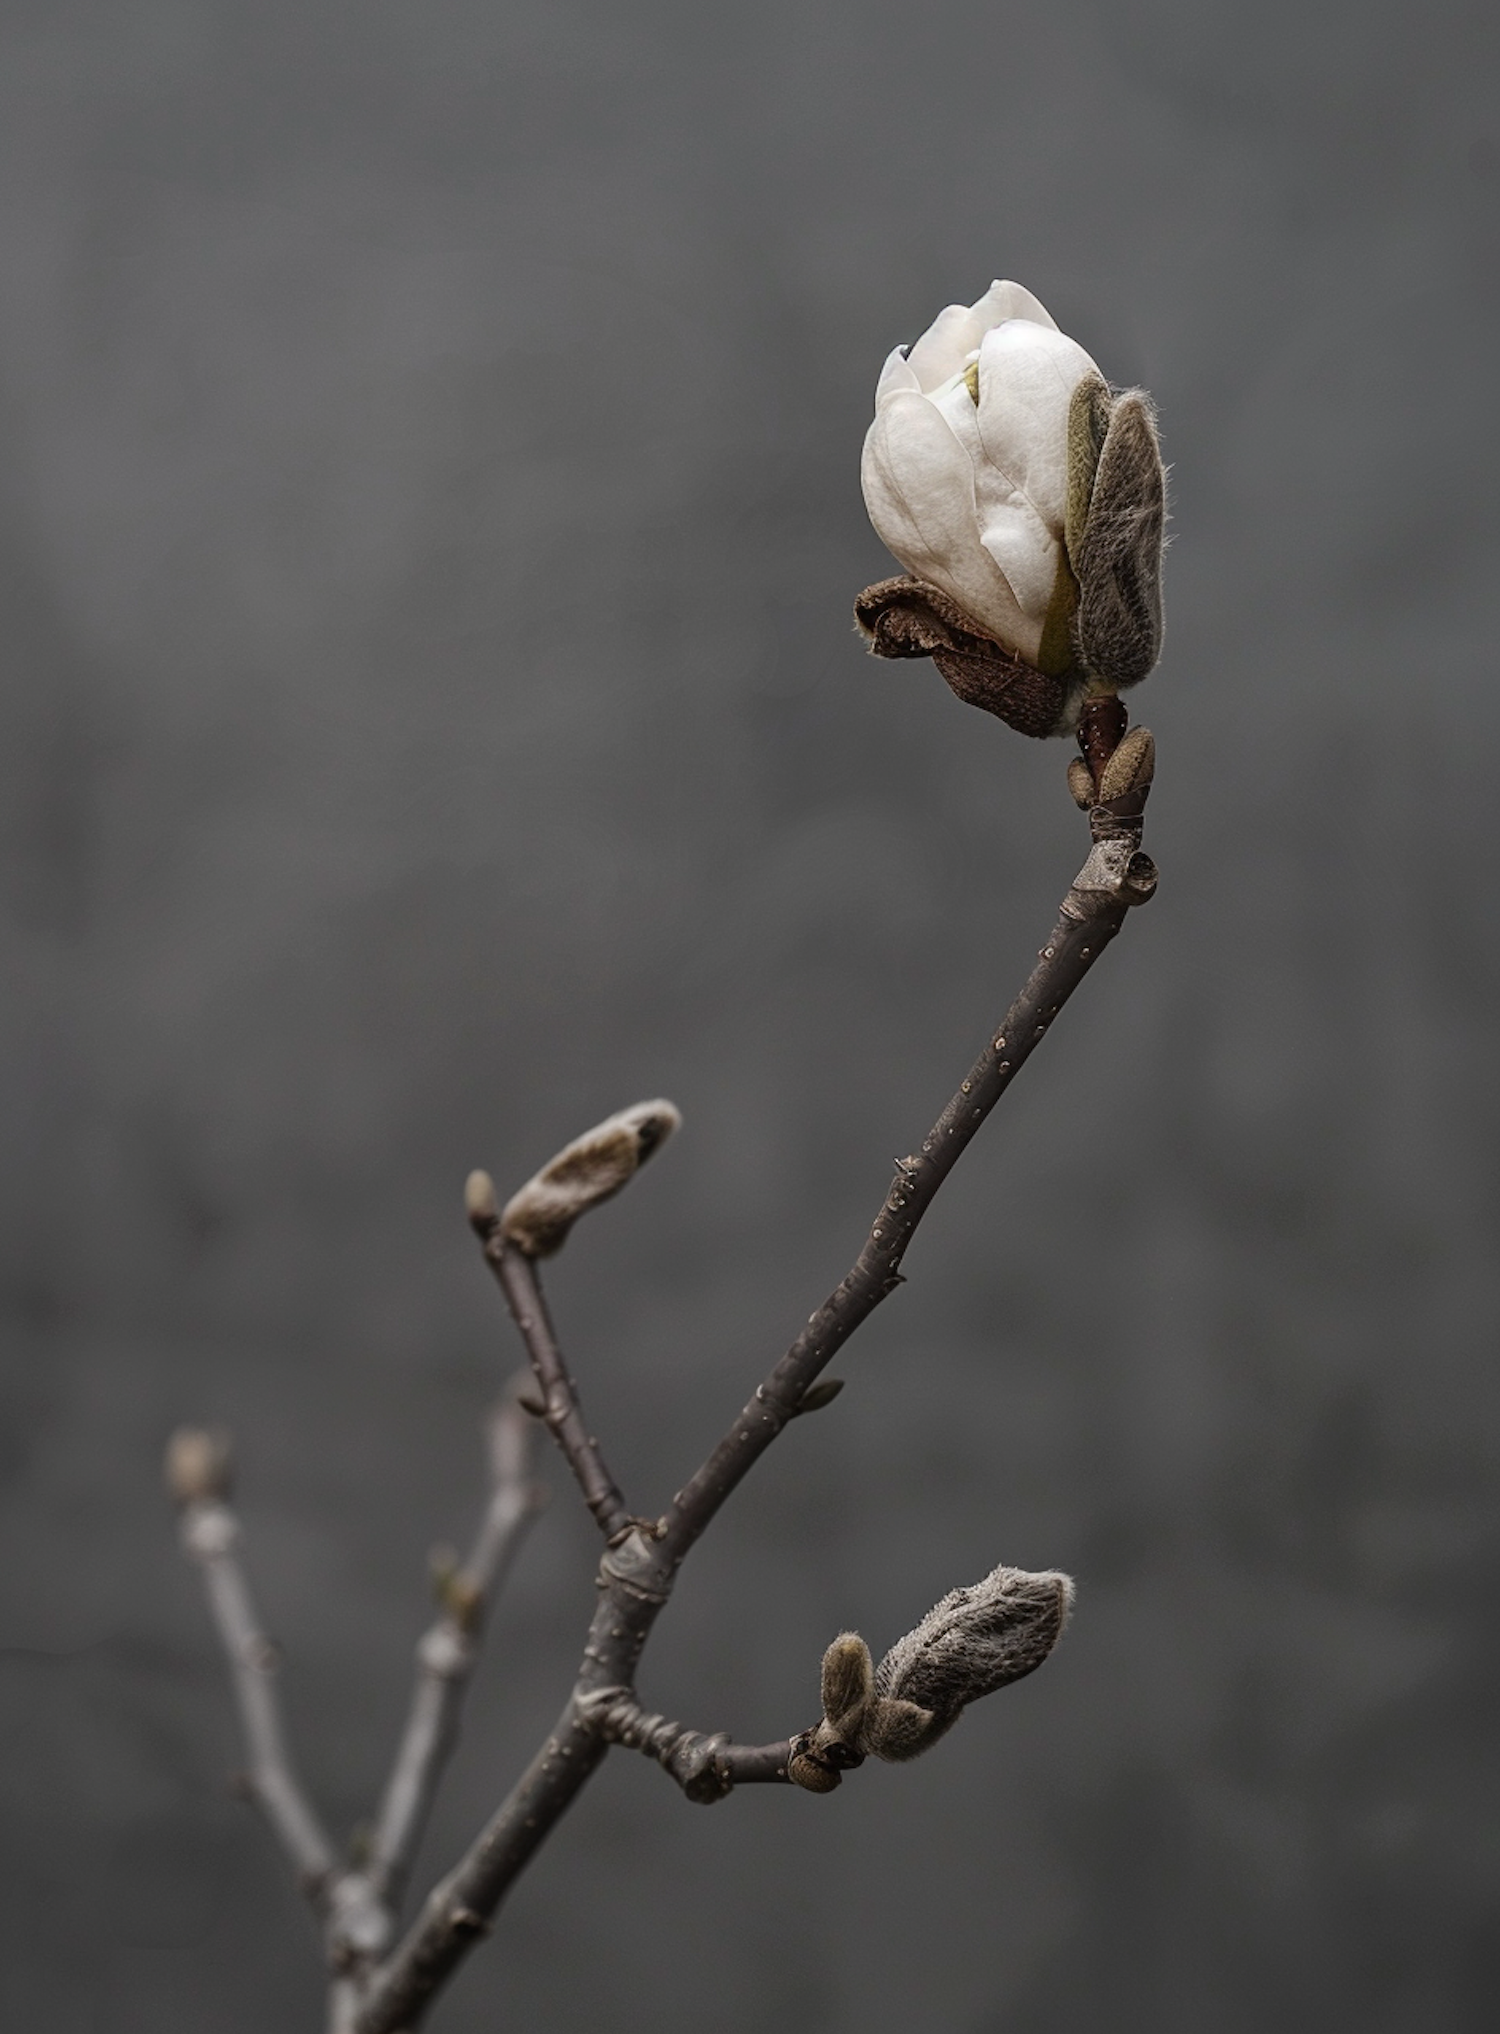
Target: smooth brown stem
[562, 1410]
[1115, 876]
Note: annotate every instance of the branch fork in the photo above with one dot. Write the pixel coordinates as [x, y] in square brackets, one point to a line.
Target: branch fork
[973, 1642]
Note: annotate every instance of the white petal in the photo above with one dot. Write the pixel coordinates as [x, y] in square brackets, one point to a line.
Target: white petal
[944, 346]
[919, 489]
[1027, 375]
[895, 374]
[1027, 553]
[1004, 300]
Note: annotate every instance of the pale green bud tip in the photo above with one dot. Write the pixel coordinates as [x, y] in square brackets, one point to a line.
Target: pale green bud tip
[480, 1203]
[198, 1466]
[584, 1173]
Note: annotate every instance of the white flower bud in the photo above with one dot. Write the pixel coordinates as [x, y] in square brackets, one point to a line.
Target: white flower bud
[1004, 475]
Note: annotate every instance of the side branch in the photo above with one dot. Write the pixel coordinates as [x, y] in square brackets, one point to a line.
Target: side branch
[705, 1767]
[447, 1652]
[1115, 877]
[210, 1537]
[561, 1408]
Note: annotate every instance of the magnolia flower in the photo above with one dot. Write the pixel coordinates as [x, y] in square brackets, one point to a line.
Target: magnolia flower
[1028, 503]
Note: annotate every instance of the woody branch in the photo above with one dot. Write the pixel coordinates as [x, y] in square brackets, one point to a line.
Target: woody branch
[643, 1557]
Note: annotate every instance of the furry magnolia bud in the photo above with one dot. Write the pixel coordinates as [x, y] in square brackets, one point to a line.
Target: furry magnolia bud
[584, 1173]
[973, 1642]
[198, 1466]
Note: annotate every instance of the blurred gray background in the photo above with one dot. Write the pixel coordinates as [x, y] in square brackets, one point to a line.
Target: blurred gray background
[432, 719]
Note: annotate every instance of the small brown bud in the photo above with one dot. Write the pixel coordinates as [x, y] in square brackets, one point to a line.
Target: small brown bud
[199, 1465]
[1131, 767]
[584, 1173]
[1081, 784]
[811, 1773]
[848, 1683]
[816, 1396]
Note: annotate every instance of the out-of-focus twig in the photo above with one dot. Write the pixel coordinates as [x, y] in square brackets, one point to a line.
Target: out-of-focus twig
[447, 1652]
[198, 1478]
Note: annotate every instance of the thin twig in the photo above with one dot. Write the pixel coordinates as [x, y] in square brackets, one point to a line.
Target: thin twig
[447, 1652]
[1115, 876]
[705, 1767]
[211, 1537]
[640, 1566]
[562, 1409]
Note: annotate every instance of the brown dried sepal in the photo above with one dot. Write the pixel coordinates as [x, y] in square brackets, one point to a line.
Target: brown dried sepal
[819, 1760]
[908, 617]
